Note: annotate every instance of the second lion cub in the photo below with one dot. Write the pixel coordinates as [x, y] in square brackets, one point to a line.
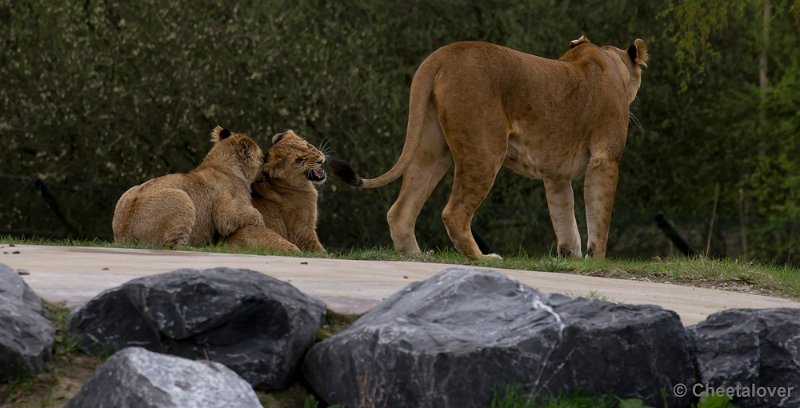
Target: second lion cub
[286, 196]
[192, 208]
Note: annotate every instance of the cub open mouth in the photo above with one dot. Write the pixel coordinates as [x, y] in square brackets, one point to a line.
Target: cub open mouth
[316, 175]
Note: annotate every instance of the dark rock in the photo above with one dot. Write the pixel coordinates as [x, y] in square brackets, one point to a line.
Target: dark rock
[26, 335]
[754, 351]
[14, 288]
[256, 325]
[454, 339]
[137, 378]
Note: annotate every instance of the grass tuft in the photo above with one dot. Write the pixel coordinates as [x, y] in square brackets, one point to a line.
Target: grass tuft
[514, 397]
[333, 323]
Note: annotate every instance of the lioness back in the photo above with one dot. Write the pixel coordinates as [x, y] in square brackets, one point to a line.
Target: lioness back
[191, 208]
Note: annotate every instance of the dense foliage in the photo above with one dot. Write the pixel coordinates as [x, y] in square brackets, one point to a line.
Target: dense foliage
[99, 95]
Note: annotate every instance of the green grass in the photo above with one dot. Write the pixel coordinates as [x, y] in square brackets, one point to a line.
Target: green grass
[513, 397]
[726, 274]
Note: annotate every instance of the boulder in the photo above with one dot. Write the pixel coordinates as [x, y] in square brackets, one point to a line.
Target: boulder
[752, 353]
[13, 288]
[256, 325]
[26, 334]
[137, 378]
[456, 338]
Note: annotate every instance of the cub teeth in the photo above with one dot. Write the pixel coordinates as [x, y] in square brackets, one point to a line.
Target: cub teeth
[316, 175]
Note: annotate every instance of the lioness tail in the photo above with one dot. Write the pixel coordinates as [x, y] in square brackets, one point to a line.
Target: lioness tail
[343, 170]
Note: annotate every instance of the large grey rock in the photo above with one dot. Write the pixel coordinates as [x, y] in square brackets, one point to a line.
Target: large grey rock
[256, 325]
[455, 338]
[137, 378]
[756, 350]
[14, 288]
[26, 335]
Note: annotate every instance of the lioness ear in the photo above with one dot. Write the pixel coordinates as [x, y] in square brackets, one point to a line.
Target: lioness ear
[579, 41]
[219, 133]
[638, 52]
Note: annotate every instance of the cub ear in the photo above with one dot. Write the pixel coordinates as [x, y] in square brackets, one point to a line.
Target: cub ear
[579, 41]
[638, 52]
[219, 133]
[278, 136]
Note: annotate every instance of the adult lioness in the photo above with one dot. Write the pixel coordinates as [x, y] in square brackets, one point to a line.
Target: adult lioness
[286, 196]
[489, 106]
[190, 209]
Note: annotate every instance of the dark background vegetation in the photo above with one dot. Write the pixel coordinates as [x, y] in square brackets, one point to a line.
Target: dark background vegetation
[97, 96]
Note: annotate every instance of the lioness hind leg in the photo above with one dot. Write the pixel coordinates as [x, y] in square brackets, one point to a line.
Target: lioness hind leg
[420, 178]
[599, 188]
[561, 202]
[473, 179]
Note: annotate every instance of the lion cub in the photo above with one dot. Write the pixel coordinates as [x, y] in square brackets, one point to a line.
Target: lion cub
[286, 196]
[191, 208]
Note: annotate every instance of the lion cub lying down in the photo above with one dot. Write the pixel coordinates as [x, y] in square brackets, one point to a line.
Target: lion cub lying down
[285, 195]
[192, 208]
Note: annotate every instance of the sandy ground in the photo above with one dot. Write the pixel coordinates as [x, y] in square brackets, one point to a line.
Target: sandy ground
[76, 274]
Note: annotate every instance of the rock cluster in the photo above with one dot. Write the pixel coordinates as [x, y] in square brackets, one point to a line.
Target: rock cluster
[204, 337]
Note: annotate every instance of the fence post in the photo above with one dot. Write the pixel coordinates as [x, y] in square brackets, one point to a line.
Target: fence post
[671, 233]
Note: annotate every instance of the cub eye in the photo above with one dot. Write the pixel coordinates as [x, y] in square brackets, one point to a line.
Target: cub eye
[299, 160]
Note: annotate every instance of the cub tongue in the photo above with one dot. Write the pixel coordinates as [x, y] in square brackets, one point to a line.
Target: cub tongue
[318, 174]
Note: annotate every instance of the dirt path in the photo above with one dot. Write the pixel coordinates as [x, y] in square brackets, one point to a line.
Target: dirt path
[76, 274]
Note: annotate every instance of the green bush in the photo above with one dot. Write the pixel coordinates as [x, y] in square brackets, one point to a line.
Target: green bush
[97, 96]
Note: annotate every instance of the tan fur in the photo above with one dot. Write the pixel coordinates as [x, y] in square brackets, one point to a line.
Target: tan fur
[286, 197]
[190, 209]
[488, 106]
